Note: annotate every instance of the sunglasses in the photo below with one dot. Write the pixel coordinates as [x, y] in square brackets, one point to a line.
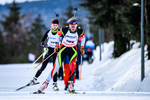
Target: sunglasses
[73, 25]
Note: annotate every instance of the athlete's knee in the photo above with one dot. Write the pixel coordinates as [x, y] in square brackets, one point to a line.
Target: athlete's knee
[42, 68]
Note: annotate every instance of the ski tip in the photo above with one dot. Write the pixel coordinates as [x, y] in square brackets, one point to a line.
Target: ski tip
[34, 67]
[16, 90]
[80, 79]
[25, 71]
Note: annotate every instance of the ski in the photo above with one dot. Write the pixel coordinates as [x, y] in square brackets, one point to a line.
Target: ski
[61, 92]
[74, 92]
[26, 86]
[37, 92]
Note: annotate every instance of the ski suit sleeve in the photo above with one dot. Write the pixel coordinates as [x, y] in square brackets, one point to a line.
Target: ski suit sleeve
[59, 39]
[63, 31]
[82, 35]
[83, 41]
[45, 36]
[60, 33]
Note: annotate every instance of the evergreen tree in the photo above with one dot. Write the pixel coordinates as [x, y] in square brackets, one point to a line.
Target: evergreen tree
[2, 49]
[69, 12]
[108, 13]
[131, 25]
[35, 35]
[147, 25]
[15, 33]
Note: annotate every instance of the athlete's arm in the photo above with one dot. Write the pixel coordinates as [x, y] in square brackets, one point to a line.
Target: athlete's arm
[45, 36]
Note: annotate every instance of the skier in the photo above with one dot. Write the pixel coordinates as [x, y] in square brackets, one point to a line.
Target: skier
[67, 48]
[53, 39]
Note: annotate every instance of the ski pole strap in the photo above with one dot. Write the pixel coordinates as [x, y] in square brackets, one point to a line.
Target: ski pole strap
[44, 60]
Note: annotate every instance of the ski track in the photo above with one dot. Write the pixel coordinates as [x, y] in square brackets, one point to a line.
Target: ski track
[89, 95]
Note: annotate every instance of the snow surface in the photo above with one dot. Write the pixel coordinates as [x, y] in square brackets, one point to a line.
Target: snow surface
[108, 79]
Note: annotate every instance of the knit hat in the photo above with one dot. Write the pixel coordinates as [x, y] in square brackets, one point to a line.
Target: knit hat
[55, 21]
[72, 20]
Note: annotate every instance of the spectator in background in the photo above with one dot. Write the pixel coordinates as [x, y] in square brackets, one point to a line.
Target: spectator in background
[90, 45]
[31, 57]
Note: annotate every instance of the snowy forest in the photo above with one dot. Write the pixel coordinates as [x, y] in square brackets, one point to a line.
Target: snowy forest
[120, 20]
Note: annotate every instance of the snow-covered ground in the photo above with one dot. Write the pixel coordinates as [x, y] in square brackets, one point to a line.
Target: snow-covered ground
[108, 79]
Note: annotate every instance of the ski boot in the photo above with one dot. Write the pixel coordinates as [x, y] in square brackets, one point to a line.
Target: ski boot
[38, 92]
[71, 87]
[55, 87]
[33, 81]
[43, 86]
[66, 88]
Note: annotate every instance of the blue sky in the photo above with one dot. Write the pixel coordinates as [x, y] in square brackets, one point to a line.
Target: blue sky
[3, 2]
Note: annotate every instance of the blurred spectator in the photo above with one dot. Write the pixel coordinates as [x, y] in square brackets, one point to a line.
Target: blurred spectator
[31, 57]
[90, 45]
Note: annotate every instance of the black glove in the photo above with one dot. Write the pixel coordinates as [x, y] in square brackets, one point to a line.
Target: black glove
[42, 44]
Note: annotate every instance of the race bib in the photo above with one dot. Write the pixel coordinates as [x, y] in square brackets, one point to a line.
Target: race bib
[52, 40]
[70, 39]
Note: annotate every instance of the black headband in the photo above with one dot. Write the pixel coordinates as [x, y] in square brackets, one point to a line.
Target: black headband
[55, 21]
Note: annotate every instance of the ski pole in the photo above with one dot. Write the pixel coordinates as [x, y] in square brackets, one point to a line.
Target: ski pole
[35, 61]
[38, 58]
[80, 68]
[44, 60]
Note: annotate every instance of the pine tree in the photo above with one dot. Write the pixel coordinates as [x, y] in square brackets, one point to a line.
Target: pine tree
[147, 26]
[104, 14]
[2, 49]
[132, 21]
[15, 32]
[69, 12]
[35, 35]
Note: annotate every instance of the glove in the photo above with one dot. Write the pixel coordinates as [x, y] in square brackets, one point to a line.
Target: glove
[46, 50]
[82, 50]
[42, 44]
[56, 48]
